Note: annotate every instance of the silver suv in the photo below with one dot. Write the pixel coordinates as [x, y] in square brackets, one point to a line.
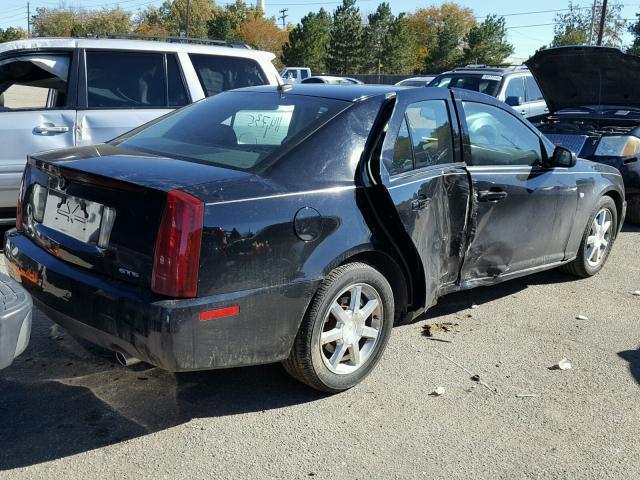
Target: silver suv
[513, 85]
[64, 92]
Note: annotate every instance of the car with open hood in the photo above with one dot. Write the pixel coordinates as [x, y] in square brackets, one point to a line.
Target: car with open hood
[299, 223]
[593, 97]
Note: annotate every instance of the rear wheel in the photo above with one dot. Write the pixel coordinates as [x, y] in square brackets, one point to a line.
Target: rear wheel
[597, 240]
[633, 209]
[345, 331]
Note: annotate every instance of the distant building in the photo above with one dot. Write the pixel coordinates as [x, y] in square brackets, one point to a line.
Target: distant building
[514, 60]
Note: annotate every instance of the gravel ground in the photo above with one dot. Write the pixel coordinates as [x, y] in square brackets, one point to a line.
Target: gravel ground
[67, 411]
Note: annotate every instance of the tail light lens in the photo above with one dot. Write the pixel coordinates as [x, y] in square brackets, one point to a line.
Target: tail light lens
[177, 254]
[19, 224]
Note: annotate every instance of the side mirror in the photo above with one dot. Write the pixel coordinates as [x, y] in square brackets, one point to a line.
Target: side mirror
[513, 101]
[563, 157]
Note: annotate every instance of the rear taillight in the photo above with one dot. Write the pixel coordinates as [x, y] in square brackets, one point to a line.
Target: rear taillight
[19, 224]
[177, 254]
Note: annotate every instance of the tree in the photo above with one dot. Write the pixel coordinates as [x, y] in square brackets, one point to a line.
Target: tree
[152, 21]
[634, 29]
[376, 34]
[579, 26]
[428, 24]
[345, 39]
[399, 47]
[308, 42]
[487, 42]
[263, 34]
[225, 23]
[66, 21]
[12, 33]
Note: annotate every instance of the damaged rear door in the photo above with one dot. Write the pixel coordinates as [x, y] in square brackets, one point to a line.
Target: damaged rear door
[423, 173]
[522, 210]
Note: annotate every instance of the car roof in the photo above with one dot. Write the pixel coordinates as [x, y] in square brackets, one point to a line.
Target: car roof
[483, 69]
[134, 45]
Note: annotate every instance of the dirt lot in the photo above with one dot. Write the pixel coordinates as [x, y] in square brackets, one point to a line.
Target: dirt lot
[67, 411]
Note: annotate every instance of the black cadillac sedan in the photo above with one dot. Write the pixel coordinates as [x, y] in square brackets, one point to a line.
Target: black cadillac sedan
[298, 224]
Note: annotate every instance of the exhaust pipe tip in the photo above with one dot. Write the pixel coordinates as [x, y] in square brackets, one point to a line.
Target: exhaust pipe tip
[126, 360]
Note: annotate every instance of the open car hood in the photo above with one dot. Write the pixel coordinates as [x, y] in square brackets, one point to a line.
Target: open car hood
[571, 77]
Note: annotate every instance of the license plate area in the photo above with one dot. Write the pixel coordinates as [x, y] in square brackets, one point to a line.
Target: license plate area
[73, 216]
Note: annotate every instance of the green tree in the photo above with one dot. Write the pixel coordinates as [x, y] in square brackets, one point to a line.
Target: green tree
[487, 42]
[67, 21]
[11, 33]
[634, 29]
[447, 51]
[399, 47]
[308, 42]
[225, 22]
[376, 35]
[345, 39]
[579, 26]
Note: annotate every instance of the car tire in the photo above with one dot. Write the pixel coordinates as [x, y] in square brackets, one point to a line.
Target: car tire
[633, 209]
[592, 255]
[323, 355]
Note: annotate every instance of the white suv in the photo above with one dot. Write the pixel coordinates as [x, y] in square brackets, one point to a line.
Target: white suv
[64, 92]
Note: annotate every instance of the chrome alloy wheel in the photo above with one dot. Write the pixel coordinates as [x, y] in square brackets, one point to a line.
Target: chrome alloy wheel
[350, 329]
[599, 237]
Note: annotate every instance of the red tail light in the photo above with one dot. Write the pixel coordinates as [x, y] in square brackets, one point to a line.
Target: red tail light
[19, 225]
[177, 255]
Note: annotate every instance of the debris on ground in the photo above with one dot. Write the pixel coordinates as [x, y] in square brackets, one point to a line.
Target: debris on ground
[439, 391]
[564, 364]
[433, 328]
[474, 306]
[476, 378]
[526, 395]
[485, 385]
[582, 317]
[637, 293]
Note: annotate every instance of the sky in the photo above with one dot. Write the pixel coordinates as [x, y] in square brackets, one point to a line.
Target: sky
[529, 23]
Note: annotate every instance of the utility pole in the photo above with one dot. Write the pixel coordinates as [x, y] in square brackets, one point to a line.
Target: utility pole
[188, 11]
[593, 22]
[283, 16]
[28, 21]
[603, 16]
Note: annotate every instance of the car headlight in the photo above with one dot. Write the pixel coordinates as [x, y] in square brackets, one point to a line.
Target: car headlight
[618, 146]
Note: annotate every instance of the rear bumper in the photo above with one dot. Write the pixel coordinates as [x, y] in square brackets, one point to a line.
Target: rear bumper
[165, 333]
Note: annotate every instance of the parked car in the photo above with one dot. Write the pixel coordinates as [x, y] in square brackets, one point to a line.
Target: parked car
[594, 107]
[15, 320]
[513, 85]
[57, 93]
[415, 81]
[331, 80]
[297, 223]
[295, 74]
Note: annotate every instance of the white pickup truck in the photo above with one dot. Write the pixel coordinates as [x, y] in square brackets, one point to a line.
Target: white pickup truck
[295, 74]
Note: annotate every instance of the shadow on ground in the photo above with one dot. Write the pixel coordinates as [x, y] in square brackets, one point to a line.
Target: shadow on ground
[633, 357]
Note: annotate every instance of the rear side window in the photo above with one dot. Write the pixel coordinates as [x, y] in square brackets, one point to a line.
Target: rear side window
[34, 82]
[533, 91]
[515, 88]
[176, 92]
[499, 138]
[430, 133]
[218, 73]
[125, 80]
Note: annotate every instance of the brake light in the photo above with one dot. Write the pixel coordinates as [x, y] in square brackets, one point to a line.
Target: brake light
[19, 224]
[177, 254]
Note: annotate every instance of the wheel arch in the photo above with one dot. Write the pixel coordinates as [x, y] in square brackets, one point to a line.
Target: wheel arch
[618, 199]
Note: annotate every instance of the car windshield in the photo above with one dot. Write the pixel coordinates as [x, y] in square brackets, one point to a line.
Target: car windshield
[482, 83]
[238, 130]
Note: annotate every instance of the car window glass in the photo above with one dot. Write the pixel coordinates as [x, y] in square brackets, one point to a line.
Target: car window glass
[177, 92]
[402, 160]
[34, 81]
[304, 74]
[312, 80]
[487, 83]
[499, 138]
[239, 130]
[533, 91]
[515, 88]
[125, 80]
[218, 73]
[430, 133]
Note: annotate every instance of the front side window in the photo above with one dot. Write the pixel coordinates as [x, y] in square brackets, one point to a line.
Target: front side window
[34, 82]
[515, 88]
[125, 80]
[239, 130]
[218, 73]
[499, 138]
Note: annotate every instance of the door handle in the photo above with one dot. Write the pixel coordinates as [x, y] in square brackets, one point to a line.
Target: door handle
[51, 129]
[491, 196]
[420, 203]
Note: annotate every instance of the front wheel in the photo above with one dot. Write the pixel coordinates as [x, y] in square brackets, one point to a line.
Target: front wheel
[345, 330]
[597, 240]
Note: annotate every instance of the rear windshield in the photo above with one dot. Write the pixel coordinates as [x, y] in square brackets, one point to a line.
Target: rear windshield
[237, 130]
[485, 83]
